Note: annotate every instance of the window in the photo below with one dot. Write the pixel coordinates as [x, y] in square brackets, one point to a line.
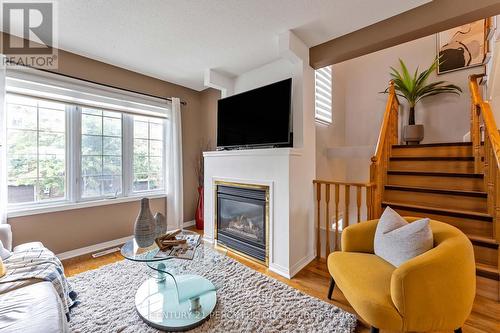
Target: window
[61, 153]
[36, 150]
[323, 94]
[148, 154]
[101, 153]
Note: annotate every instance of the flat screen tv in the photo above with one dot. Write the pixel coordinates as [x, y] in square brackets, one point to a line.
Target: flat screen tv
[256, 118]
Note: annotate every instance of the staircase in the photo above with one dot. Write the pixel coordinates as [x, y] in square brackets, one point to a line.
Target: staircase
[456, 183]
[438, 181]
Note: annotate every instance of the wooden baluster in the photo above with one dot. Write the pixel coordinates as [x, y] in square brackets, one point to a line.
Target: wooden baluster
[327, 217]
[492, 166]
[476, 137]
[496, 217]
[358, 202]
[318, 234]
[369, 203]
[486, 168]
[346, 212]
[337, 198]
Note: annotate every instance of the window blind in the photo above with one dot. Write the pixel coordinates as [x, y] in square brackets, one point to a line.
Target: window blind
[30, 82]
[323, 94]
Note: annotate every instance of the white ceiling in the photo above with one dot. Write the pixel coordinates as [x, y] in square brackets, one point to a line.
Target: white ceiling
[176, 40]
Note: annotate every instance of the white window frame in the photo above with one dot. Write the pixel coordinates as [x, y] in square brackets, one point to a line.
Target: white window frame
[74, 198]
[323, 92]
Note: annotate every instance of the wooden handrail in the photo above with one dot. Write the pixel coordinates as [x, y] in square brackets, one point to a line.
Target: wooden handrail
[487, 156]
[385, 122]
[332, 182]
[484, 109]
[388, 137]
[329, 189]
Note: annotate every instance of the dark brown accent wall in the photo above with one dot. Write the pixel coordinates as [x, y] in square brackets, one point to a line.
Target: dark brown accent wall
[433, 17]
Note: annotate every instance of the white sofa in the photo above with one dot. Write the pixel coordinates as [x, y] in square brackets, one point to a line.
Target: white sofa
[29, 306]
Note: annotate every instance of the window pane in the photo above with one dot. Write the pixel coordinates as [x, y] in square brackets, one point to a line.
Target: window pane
[91, 186]
[112, 185]
[21, 142]
[21, 166]
[36, 149]
[91, 165]
[156, 131]
[155, 165]
[141, 164]
[112, 127]
[101, 153]
[52, 121]
[112, 146]
[148, 153]
[22, 190]
[91, 145]
[51, 143]
[91, 124]
[140, 130]
[156, 148]
[51, 166]
[21, 117]
[51, 188]
[112, 165]
[140, 147]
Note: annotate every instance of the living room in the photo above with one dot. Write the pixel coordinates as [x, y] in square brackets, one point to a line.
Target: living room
[223, 166]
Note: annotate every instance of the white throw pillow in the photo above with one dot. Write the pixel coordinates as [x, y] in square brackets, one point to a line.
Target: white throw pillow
[398, 241]
[4, 253]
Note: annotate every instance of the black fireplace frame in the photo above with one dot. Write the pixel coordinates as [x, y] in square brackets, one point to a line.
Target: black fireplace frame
[244, 247]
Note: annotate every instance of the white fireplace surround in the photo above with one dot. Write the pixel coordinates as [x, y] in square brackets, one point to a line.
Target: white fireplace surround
[265, 167]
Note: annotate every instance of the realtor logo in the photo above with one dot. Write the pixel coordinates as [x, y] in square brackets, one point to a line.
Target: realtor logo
[29, 33]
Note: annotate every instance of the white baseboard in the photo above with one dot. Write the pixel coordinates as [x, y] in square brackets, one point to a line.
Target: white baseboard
[92, 248]
[188, 224]
[301, 264]
[278, 269]
[104, 245]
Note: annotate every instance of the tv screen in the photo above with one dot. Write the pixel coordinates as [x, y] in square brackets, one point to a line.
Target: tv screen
[259, 117]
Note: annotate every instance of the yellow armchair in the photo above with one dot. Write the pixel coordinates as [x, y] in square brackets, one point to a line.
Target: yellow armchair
[433, 291]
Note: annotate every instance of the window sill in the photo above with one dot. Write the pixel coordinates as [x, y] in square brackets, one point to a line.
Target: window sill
[34, 210]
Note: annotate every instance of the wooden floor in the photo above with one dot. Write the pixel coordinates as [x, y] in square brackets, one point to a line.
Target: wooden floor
[313, 280]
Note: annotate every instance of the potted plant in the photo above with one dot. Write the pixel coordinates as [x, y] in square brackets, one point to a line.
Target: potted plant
[414, 88]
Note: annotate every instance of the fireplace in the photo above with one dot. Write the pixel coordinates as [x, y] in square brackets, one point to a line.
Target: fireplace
[242, 219]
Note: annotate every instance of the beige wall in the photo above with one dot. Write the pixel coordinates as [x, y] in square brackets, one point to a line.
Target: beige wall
[358, 108]
[73, 229]
[208, 106]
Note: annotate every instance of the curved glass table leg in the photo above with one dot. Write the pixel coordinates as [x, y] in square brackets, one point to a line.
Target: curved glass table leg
[180, 303]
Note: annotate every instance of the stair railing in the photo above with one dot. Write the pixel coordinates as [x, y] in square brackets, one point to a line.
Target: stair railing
[388, 136]
[488, 160]
[329, 193]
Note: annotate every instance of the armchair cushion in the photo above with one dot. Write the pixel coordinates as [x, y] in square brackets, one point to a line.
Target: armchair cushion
[365, 280]
[398, 241]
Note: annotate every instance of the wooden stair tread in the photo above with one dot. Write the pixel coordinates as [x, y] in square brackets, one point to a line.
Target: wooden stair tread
[488, 271]
[440, 211]
[440, 144]
[435, 174]
[483, 241]
[432, 158]
[437, 191]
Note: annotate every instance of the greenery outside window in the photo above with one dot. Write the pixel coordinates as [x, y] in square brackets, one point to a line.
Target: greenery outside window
[36, 150]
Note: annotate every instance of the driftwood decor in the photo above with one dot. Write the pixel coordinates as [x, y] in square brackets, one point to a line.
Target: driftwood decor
[168, 240]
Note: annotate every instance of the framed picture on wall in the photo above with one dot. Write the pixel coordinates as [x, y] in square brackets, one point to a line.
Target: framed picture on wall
[463, 47]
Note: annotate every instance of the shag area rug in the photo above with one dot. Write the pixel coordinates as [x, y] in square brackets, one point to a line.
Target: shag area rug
[247, 301]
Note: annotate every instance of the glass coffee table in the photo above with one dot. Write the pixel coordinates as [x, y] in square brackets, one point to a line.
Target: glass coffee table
[170, 300]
